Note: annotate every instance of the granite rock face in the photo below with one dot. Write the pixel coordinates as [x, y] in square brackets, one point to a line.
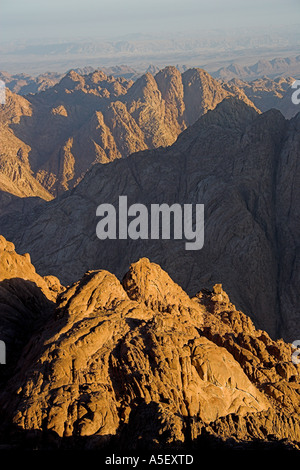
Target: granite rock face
[266, 93]
[51, 139]
[26, 301]
[241, 165]
[16, 175]
[140, 364]
[273, 69]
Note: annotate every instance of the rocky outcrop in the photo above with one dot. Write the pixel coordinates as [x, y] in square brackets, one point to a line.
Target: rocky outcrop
[57, 135]
[95, 118]
[23, 84]
[26, 301]
[275, 68]
[14, 266]
[140, 364]
[266, 93]
[241, 165]
[16, 179]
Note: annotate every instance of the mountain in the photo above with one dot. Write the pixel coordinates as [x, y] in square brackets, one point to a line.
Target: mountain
[266, 94]
[49, 140]
[16, 175]
[213, 47]
[82, 120]
[275, 68]
[26, 301]
[139, 365]
[23, 84]
[242, 165]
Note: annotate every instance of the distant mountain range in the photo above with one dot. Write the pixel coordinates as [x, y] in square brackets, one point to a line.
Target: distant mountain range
[50, 139]
[208, 49]
[24, 84]
[138, 343]
[275, 68]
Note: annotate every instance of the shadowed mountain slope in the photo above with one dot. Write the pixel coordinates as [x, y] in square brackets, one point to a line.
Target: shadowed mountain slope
[53, 138]
[241, 165]
[138, 364]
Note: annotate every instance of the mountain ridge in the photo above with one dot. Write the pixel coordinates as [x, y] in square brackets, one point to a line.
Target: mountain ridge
[238, 172]
[83, 120]
[109, 354]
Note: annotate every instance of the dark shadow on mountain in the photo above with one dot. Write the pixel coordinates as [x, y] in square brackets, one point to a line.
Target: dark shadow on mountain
[12, 206]
[24, 310]
[143, 440]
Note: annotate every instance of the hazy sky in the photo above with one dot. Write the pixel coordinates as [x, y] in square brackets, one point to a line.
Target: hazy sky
[68, 19]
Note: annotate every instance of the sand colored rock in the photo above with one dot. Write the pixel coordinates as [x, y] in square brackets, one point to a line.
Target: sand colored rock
[241, 165]
[96, 118]
[139, 363]
[15, 266]
[26, 301]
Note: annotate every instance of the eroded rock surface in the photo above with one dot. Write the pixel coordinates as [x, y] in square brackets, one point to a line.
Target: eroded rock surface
[26, 301]
[243, 166]
[140, 364]
[51, 139]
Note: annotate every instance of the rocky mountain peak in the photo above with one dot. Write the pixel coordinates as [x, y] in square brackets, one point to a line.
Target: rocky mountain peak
[112, 355]
[146, 282]
[15, 266]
